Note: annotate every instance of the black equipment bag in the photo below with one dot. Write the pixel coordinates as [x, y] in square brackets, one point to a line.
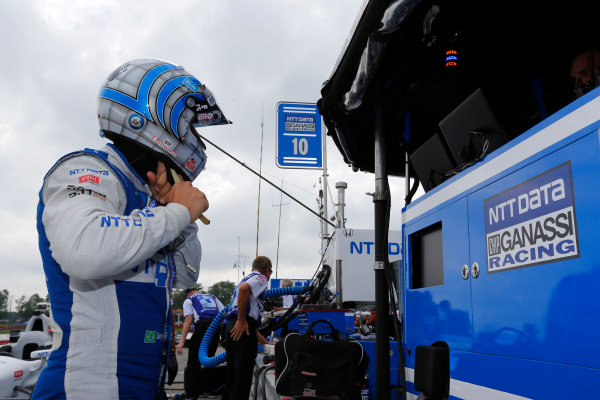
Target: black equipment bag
[305, 366]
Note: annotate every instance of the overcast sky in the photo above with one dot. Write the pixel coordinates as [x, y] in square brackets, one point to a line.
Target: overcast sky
[252, 55]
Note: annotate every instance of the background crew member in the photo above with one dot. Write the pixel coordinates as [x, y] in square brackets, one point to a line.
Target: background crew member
[584, 71]
[286, 300]
[199, 309]
[241, 333]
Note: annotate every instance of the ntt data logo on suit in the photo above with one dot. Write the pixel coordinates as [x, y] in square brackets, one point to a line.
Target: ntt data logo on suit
[532, 223]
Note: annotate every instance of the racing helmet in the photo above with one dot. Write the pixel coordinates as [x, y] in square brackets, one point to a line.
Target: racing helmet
[159, 105]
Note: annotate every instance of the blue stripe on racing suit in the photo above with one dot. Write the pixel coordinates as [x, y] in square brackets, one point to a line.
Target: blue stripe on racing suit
[142, 307]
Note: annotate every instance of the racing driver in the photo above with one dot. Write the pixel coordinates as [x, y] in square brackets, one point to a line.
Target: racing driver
[116, 234]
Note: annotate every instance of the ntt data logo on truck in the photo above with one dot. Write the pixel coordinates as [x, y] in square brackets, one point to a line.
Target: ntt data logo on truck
[532, 223]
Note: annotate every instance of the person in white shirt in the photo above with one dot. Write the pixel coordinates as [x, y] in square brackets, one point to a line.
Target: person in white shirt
[241, 333]
[288, 299]
[287, 302]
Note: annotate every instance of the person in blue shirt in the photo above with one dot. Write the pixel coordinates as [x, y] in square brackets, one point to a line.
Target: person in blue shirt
[199, 310]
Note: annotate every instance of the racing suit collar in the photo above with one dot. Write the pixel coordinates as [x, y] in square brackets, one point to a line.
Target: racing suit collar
[123, 159]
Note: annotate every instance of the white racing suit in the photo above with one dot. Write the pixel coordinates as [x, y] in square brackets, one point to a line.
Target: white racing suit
[110, 259]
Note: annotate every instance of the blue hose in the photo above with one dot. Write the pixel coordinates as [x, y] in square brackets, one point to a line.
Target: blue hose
[284, 291]
[211, 362]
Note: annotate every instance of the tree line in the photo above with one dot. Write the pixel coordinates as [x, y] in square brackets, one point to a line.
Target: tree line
[25, 306]
[222, 290]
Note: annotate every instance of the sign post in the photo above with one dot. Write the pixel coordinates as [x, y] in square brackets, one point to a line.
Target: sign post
[301, 144]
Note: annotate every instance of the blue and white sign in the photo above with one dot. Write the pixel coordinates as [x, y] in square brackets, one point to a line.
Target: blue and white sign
[276, 283]
[355, 248]
[532, 223]
[299, 137]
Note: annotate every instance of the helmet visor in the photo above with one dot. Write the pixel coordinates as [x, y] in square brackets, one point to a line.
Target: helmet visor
[205, 108]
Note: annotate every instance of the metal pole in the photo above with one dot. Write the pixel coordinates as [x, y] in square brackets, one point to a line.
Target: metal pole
[341, 223]
[245, 264]
[278, 229]
[382, 345]
[238, 260]
[341, 187]
[406, 177]
[339, 294]
[324, 227]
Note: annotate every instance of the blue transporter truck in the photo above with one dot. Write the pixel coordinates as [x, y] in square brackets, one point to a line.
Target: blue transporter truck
[491, 113]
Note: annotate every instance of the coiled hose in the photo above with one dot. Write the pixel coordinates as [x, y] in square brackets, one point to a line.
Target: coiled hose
[211, 362]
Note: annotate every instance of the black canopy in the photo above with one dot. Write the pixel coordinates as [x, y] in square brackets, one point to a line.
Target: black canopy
[418, 59]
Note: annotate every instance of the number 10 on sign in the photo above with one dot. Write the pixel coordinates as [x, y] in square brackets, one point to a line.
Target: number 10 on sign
[300, 146]
[299, 136]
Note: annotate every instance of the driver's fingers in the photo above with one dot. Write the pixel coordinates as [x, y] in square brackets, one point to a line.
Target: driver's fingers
[161, 174]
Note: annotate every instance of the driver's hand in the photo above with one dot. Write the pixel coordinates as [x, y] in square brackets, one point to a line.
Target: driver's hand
[158, 183]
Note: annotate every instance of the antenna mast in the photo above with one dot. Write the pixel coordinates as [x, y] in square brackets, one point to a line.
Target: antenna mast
[262, 131]
[279, 225]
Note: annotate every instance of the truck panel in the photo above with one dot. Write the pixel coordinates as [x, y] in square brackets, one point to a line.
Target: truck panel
[523, 223]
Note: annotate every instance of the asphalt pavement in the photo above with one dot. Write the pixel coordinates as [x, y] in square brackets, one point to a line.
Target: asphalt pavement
[177, 386]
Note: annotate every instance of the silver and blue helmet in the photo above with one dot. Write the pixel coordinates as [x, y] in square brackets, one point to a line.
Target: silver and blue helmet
[159, 105]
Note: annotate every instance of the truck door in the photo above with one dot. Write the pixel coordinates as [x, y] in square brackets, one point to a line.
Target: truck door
[533, 242]
[438, 297]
